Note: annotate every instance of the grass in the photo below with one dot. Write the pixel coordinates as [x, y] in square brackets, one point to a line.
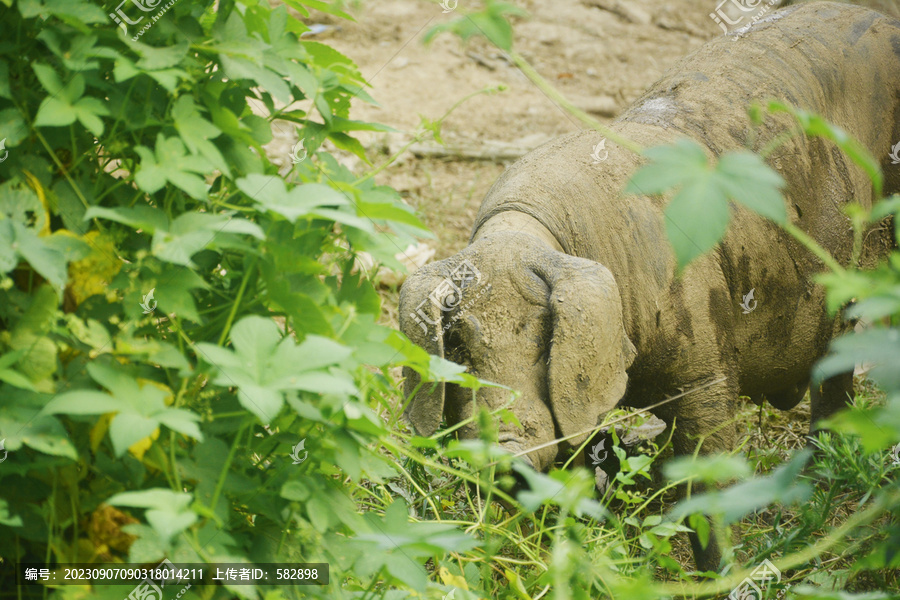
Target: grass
[528, 554]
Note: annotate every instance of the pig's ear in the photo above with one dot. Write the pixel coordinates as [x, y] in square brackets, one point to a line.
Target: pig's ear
[421, 321]
[589, 349]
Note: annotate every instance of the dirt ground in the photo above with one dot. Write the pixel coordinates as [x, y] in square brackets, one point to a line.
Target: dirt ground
[600, 58]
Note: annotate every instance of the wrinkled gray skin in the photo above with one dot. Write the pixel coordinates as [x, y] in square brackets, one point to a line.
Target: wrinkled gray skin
[578, 306]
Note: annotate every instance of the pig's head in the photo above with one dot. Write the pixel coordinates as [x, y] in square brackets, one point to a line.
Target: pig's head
[516, 312]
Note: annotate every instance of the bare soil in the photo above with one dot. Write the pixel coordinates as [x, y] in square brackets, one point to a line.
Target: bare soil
[601, 59]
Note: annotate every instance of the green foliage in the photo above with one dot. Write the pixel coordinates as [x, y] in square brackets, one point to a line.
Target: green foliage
[240, 418]
[136, 175]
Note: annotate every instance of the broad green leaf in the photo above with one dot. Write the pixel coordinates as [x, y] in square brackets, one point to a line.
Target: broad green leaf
[154, 59]
[48, 77]
[12, 123]
[880, 347]
[67, 104]
[158, 498]
[689, 235]
[707, 469]
[79, 11]
[669, 166]
[142, 216]
[888, 206]
[89, 332]
[196, 132]
[27, 425]
[114, 378]
[877, 428]
[270, 192]
[49, 263]
[169, 162]
[16, 379]
[128, 428]
[264, 366]
[5, 91]
[698, 214]
[783, 486]
[55, 112]
[168, 523]
[82, 402]
[6, 518]
[237, 67]
[174, 292]
[746, 178]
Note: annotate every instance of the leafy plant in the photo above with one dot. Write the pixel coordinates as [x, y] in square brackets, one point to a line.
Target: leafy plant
[176, 314]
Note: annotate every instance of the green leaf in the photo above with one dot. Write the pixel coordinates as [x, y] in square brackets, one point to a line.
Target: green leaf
[48, 78]
[27, 425]
[77, 11]
[193, 231]
[701, 526]
[264, 365]
[6, 518]
[49, 263]
[690, 235]
[142, 216]
[491, 23]
[783, 486]
[54, 112]
[303, 200]
[881, 347]
[746, 178]
[154, 59]
[815, 125]
[16, 379]
[158, 498]
[888, 206]
[168, 523]
[698, 215]
[196, 132]
[707, 469]
[127, 428]
[82, 402]
[66, 104]
[170, 163]
[331, 9]
[5, 91]
[669, 166]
